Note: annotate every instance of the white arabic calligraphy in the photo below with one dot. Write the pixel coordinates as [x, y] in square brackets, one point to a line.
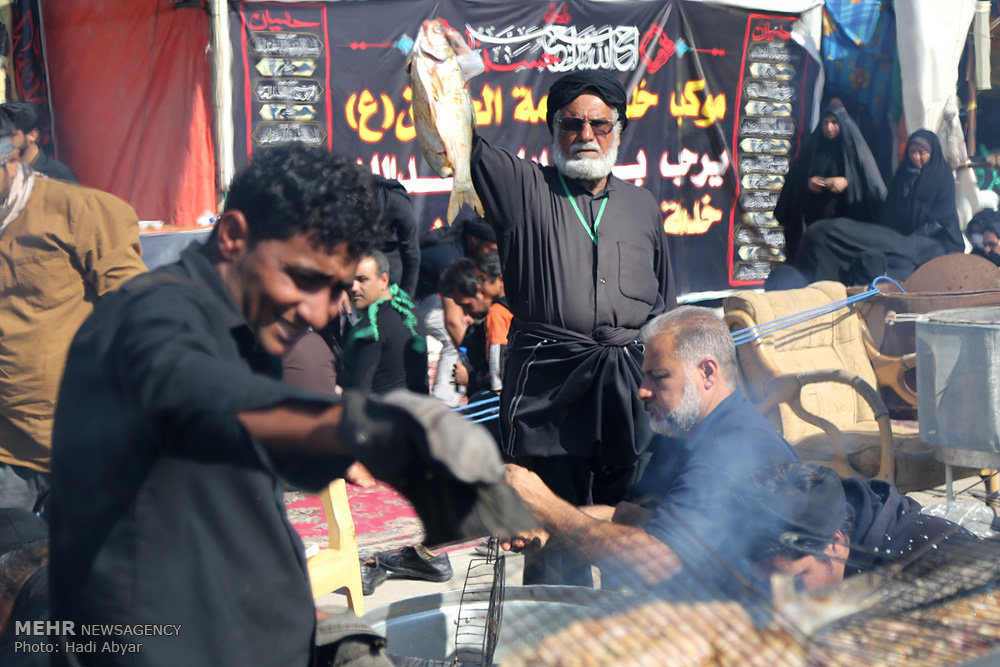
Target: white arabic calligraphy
[712, 171]
[678, 171]
[388, 166]
[421, 185]
[565, 47]
[632, 172]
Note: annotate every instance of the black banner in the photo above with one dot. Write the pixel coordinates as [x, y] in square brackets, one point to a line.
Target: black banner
[717, 100]
[28, 54]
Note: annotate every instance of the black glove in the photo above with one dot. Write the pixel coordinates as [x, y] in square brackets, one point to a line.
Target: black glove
[448, 468]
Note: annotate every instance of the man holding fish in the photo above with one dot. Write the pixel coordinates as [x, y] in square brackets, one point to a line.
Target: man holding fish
[585, 265]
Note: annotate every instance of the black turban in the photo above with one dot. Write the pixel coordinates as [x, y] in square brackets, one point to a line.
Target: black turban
[571, 86]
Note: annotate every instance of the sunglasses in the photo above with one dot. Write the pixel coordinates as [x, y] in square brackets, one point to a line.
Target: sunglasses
[600, 127]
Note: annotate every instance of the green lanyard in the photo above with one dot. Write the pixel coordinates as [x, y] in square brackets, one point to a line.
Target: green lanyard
[583, 221]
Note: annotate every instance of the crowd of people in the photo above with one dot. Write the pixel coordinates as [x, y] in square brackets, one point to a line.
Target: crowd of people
[151, 421]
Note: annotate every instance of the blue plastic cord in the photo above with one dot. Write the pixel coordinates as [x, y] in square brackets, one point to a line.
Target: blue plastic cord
[753, 333]
[879, 279]
[488, 411]
[491, 412]
[486, 419]
[485, 401]
[739, 338]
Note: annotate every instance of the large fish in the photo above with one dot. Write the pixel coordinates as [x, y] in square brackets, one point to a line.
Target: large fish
[442, 112]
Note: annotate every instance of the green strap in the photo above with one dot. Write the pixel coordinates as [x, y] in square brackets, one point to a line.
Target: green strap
[370, 331]
[400, 301]
[583, 221]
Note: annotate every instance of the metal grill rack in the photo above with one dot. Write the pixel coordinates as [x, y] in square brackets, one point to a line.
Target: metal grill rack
[942, 607]
[478, 626]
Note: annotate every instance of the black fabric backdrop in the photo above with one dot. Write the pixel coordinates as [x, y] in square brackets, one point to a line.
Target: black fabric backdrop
[30, 79]
[718, 97]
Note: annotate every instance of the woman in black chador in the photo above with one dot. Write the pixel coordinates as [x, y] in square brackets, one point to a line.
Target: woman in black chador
[919, 222]
[834, 176]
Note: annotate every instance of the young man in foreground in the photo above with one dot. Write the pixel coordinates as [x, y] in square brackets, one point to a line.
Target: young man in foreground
[174, 437]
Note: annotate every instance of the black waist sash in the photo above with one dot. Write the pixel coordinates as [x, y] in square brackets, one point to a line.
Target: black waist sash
[568, 394]
[601, 335]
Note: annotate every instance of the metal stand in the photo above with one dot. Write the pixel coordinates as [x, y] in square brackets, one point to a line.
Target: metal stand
[477, 629]
[967, 458]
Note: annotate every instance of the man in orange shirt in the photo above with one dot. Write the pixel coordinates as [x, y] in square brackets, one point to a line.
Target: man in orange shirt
[477, 287]
[490, 280]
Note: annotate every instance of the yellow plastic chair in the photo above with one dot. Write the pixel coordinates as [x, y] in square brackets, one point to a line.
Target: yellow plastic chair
[337, 566]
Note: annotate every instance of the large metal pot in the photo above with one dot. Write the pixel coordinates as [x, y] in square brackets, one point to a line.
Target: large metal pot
[958, 384]
[424, 628]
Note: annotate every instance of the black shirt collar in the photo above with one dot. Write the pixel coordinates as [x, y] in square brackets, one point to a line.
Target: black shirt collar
[728, 404]
[194, 260]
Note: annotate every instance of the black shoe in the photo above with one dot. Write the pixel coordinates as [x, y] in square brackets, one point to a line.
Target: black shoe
[417, 563]
[373, 573]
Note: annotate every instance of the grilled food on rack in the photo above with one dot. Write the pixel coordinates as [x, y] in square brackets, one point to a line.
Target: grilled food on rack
[666, 633]
[948, 633]
[723, 633]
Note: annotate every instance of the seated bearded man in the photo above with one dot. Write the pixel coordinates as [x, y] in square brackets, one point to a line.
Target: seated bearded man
[677, 517]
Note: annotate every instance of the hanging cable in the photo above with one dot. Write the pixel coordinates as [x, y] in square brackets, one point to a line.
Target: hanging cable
[753, 333]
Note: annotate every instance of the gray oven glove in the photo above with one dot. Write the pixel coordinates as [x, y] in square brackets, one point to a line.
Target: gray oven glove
[447, 467]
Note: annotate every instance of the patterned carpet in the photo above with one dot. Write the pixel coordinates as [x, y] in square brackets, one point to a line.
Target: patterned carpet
[383, 519]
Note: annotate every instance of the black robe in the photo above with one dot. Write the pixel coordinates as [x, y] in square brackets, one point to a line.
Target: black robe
[402, 245]
[919, 222]
[932, 557]
[846, 155]
[927, 206]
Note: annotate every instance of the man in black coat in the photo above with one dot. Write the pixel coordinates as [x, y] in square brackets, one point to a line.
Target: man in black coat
[173, 424]
[807, 522]
[585, 265]
[383, 350]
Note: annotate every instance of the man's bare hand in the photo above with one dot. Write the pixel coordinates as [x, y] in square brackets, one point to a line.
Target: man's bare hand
[471, 63]
[527, 541]
[457, 41]
[816, 184]
[837, 184]
[460, 374]
[536, 495]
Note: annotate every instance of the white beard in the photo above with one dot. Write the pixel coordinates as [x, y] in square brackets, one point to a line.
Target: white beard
[586, 168]
[678, 422]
